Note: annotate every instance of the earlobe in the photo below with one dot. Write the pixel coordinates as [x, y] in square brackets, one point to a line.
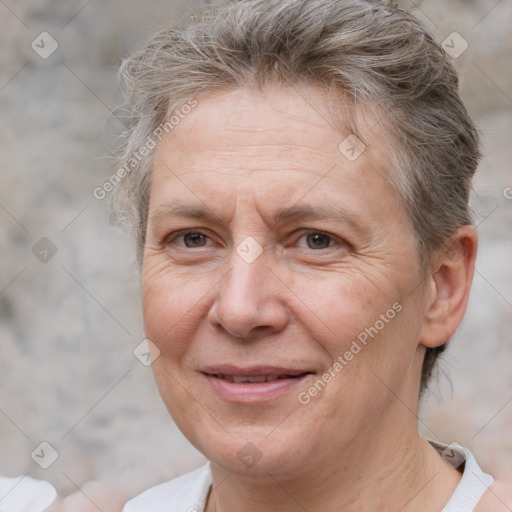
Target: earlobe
[449, 287]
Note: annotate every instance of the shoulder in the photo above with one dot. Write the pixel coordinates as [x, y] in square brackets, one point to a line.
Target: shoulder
[187, 492]
[498, 498]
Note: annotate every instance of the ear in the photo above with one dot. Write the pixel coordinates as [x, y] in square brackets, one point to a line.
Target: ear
[448, 287]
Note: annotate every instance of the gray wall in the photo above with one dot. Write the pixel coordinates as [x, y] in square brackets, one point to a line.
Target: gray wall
[69, 325]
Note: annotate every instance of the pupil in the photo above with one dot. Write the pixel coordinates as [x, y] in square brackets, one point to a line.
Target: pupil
[196, 238]
[317, 236]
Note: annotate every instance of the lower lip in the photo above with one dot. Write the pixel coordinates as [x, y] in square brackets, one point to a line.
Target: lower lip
[253, 392]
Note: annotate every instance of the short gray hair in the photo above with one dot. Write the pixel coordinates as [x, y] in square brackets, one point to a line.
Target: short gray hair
[370, 53]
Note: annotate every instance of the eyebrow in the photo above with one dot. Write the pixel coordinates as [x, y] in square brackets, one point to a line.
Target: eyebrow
[283, 214]
[306, 211]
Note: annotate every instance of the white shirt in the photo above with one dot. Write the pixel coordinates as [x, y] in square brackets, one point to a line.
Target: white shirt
[188, 493]
[25, 494]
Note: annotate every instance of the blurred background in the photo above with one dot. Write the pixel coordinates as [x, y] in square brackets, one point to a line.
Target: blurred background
[69, 285]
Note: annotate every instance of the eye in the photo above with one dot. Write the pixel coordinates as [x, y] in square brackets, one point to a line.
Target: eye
[317, 240]
[192, 239]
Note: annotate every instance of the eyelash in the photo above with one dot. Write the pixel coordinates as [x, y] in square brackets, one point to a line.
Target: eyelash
[183, 233]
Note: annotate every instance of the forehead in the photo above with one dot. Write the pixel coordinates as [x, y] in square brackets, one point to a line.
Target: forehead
[256, 117]
[278, 120]
[270, 141]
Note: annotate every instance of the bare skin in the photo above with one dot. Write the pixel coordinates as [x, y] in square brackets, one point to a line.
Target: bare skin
[498, 498]
[241, 156]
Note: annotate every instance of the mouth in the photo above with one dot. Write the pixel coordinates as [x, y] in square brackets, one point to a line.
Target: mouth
[240, 379]
[253, 384]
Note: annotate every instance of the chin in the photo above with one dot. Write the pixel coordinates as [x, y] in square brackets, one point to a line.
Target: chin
[254, 451]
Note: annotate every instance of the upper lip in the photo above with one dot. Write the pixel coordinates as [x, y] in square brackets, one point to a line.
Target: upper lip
[252, 371]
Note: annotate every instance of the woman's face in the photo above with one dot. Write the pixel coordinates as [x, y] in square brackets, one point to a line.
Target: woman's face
[289, 318]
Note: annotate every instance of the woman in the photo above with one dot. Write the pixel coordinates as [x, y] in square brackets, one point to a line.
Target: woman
[295, 366]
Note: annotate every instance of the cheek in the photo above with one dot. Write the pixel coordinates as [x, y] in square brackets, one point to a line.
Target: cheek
[367, 328]
[170, 309]
[168, 306]
[338, 307]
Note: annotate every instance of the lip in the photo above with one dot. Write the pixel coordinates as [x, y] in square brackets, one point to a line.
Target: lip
[254, 392]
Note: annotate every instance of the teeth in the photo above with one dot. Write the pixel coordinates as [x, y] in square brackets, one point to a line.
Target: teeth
[256, 379]
[243, 380]
[247, 380]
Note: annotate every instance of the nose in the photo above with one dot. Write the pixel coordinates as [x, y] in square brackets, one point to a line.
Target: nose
[250, 299]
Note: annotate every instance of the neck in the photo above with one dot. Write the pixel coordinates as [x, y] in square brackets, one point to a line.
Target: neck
[384, 468]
